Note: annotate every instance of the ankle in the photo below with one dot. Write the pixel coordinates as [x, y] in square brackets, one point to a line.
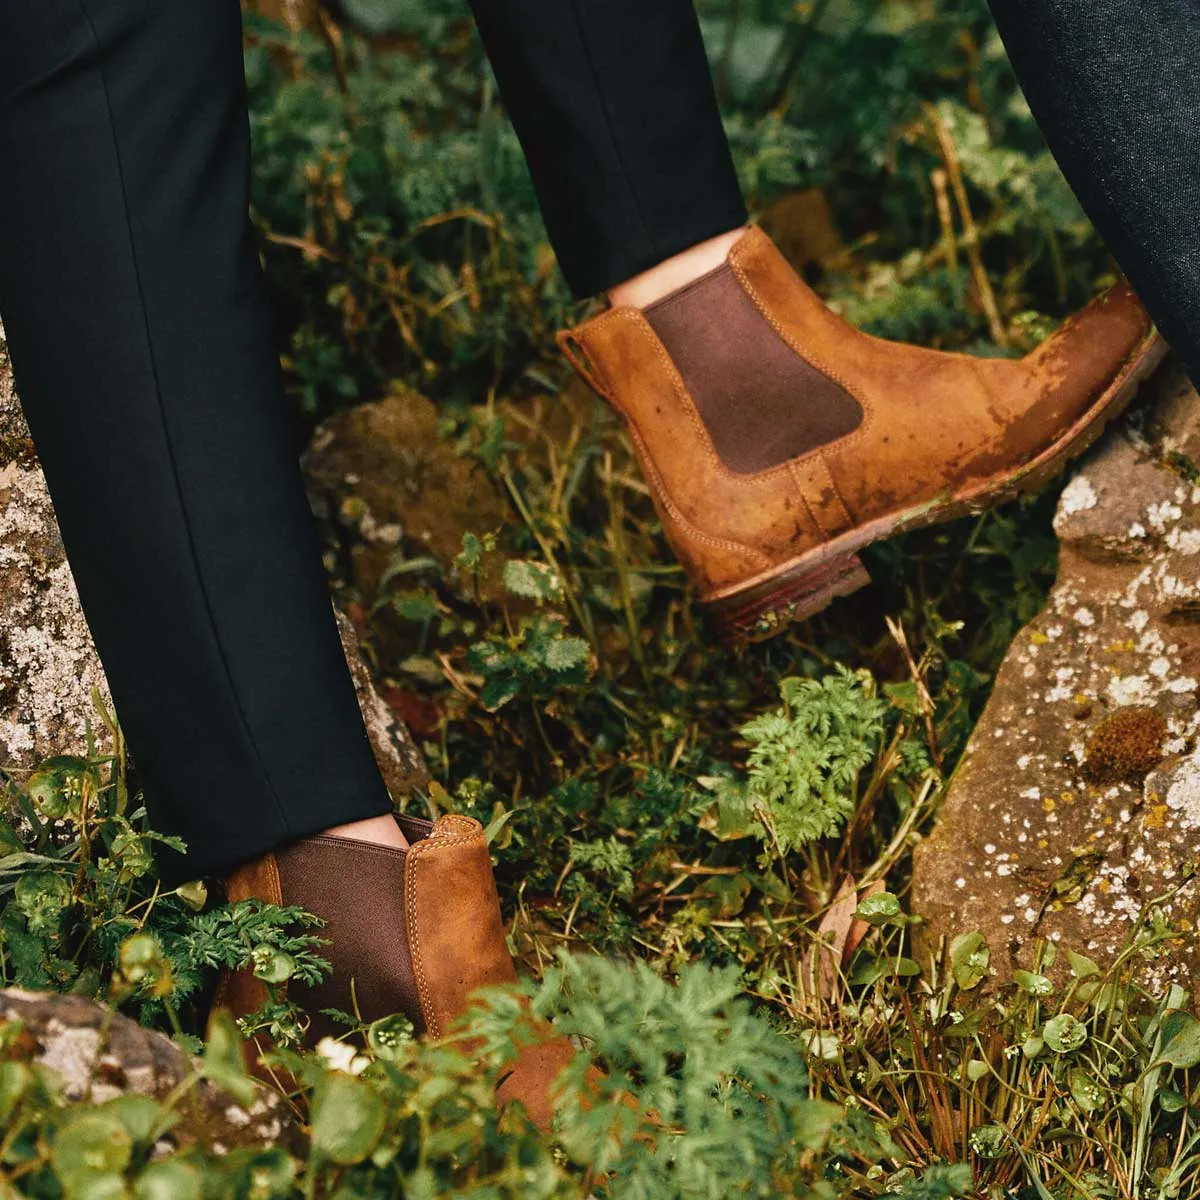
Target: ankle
[674, 273]
[380, 831]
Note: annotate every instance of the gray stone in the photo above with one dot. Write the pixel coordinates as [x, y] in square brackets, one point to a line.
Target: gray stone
[401, 763]
[48, 665]
[100, 1054]
[1077, 801]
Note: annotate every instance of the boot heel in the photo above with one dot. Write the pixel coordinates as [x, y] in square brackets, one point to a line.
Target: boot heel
[795, 594]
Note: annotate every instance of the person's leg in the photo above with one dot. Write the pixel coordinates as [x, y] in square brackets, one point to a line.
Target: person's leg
[131, 296]
[777, 440]
[1112, 85]
[134, 311]
[614, 106]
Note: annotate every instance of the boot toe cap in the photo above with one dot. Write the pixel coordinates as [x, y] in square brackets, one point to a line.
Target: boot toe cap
[1096, 344]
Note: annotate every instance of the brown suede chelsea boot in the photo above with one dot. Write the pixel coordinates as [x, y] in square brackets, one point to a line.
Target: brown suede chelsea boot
[415, 931]
[778, 440]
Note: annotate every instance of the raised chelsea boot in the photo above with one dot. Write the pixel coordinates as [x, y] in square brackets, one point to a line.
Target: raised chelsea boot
[411, 931]
[778, 440]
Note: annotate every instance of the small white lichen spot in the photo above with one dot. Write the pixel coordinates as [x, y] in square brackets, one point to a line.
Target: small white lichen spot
[1135, 585]
[1084, 616]
[1184, 541]
[73, 1053]
[1159, 514]
[1183, 796]
[1129, 689]
[1151, 643]
[1077, 496]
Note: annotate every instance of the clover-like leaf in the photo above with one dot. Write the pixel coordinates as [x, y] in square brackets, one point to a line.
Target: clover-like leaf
[347, 1118]
[48, 795]
[977, 1069]
[989, 1141]
[390, 1036]
[1082, 967]
[194, 894]
[169, 1179]
[89, 1154]
[1085, 1091]
[1032, 984]
[1180, 1039]
[1064, 1033]
[879, 909]
[222, 1062]
[969, 959]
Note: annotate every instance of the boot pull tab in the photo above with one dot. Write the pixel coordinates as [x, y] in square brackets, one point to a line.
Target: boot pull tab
[576, 354]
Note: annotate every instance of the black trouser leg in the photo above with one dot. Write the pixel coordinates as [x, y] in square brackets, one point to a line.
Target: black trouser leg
[131, 296]
[1113, 86]
[613, 102]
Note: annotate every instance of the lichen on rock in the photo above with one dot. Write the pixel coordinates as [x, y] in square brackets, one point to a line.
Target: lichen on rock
[48, 666]
[1078, 798]
[49, 669]
[99, 1054]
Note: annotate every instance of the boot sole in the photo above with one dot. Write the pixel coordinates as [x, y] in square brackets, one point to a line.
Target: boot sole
[809, 583]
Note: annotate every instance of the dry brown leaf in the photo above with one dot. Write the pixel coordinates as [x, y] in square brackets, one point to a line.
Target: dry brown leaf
[859, 927]
[825, 954]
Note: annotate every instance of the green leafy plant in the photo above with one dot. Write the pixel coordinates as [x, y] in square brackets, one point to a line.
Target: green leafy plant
[540, 658]
[805, 759]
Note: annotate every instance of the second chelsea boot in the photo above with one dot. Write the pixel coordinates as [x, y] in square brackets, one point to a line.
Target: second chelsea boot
[414, 931]
[778, 440]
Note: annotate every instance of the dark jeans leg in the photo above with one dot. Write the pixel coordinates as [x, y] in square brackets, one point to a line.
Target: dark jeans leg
[613, 102]
[131, 295]
[1113, 84]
